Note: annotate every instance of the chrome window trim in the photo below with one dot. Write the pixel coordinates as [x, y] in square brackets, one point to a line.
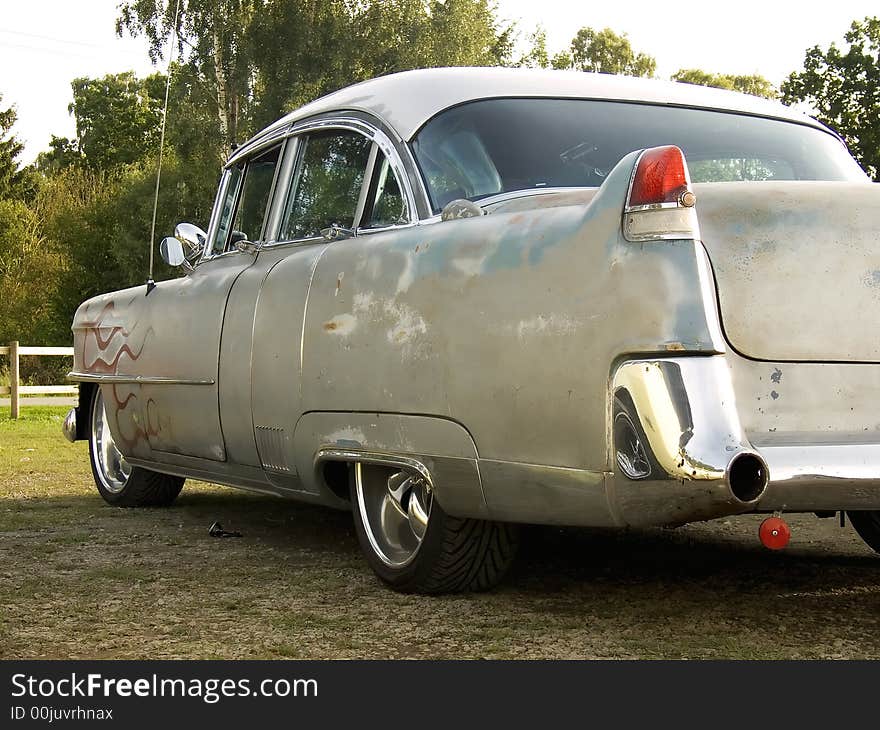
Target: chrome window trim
[375, 134]
[270, 204]
[245, 160]
[287, 175]
[398, 227]
[215, 214]
[284, 172]
[365, 186]
[249, 149]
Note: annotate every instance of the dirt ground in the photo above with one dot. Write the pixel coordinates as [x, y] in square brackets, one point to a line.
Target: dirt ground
[80, 579]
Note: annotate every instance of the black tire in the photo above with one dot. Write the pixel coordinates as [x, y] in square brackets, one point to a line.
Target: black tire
[121, 484]
[456, 554]
[867, 525]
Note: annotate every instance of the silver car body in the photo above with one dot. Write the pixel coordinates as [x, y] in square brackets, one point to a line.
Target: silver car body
[495, 354]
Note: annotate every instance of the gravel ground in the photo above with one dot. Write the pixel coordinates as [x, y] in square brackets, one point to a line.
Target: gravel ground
[80, 579]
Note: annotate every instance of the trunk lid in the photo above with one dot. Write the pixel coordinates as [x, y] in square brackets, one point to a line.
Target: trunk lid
[797, 266]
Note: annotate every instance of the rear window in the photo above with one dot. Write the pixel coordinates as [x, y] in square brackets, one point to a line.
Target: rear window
[497, 145]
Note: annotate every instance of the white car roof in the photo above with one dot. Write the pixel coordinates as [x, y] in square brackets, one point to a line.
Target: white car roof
[405, 101]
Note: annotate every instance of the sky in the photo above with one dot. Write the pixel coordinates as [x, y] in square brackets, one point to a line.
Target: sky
[45, 44]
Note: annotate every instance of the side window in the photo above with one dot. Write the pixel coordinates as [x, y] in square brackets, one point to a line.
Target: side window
[245, 200]
[254, 197]
[327, 185]
[388, 205]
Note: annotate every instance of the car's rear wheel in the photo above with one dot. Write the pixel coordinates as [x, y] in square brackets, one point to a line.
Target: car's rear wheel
[867, 524]
[118, 482]
[414, 546]
[632, 450]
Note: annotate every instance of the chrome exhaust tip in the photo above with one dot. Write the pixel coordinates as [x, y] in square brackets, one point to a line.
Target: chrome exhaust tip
[747, 477]
[68, 428]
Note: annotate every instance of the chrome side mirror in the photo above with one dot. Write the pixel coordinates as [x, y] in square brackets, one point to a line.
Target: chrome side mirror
[171, 251]
[193, 238]
[185, 247]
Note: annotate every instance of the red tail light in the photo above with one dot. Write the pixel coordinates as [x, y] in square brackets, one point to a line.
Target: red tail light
[661, 177]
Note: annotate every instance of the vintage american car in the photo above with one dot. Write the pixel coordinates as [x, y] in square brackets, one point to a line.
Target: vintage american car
[455, 300]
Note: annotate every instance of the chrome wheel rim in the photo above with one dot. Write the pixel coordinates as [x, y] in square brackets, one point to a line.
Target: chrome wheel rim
[631, 455]
[113, 470]
[395, 507]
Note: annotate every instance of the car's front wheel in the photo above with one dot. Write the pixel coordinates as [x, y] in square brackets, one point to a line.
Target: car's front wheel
[118, 482]
[414, 546]
[867, 524]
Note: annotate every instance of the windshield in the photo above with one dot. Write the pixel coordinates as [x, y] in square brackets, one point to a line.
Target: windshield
[497, 145]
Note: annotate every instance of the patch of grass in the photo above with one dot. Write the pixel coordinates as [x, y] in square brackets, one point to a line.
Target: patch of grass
[81, 579]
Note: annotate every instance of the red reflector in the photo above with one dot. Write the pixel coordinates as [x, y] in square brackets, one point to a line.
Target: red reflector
[661, 177]
[774, 533]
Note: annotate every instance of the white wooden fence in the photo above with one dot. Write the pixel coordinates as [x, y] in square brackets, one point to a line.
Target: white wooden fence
[15, 389]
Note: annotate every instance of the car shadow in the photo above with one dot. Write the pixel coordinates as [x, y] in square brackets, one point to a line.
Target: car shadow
[705, 557]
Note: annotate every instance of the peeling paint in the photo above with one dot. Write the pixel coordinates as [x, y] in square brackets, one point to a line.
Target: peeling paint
[469, 266]
[776, 376]
[362, 302]
[774, 395]
[407, 276]
[550, 324]
[341, 324]
[339, 282]
[350, 434]
[409, 324]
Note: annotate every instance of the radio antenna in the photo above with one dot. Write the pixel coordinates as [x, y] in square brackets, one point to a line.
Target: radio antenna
[150, 283]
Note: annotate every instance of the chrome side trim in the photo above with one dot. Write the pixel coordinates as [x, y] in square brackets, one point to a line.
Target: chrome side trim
[372, 457]
[145, 379]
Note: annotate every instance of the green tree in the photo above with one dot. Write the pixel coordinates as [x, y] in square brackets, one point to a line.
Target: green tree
[30, 269]
[101, 221]
[213, 34]
[536, 56]
[604, 51]
[841, 85]
[754, 84]
[260, 58]
[467, 33]
[117, 118]
[62, 153]
[15, 182]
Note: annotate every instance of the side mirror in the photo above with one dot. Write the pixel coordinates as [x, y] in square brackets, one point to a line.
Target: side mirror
[171, 251]
[185, 247]
[191, 237]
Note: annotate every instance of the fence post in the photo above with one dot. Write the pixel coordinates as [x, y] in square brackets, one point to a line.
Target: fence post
[13, 378]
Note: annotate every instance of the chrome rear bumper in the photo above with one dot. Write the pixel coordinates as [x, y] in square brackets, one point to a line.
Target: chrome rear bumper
[681, 453]
[820, 477]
